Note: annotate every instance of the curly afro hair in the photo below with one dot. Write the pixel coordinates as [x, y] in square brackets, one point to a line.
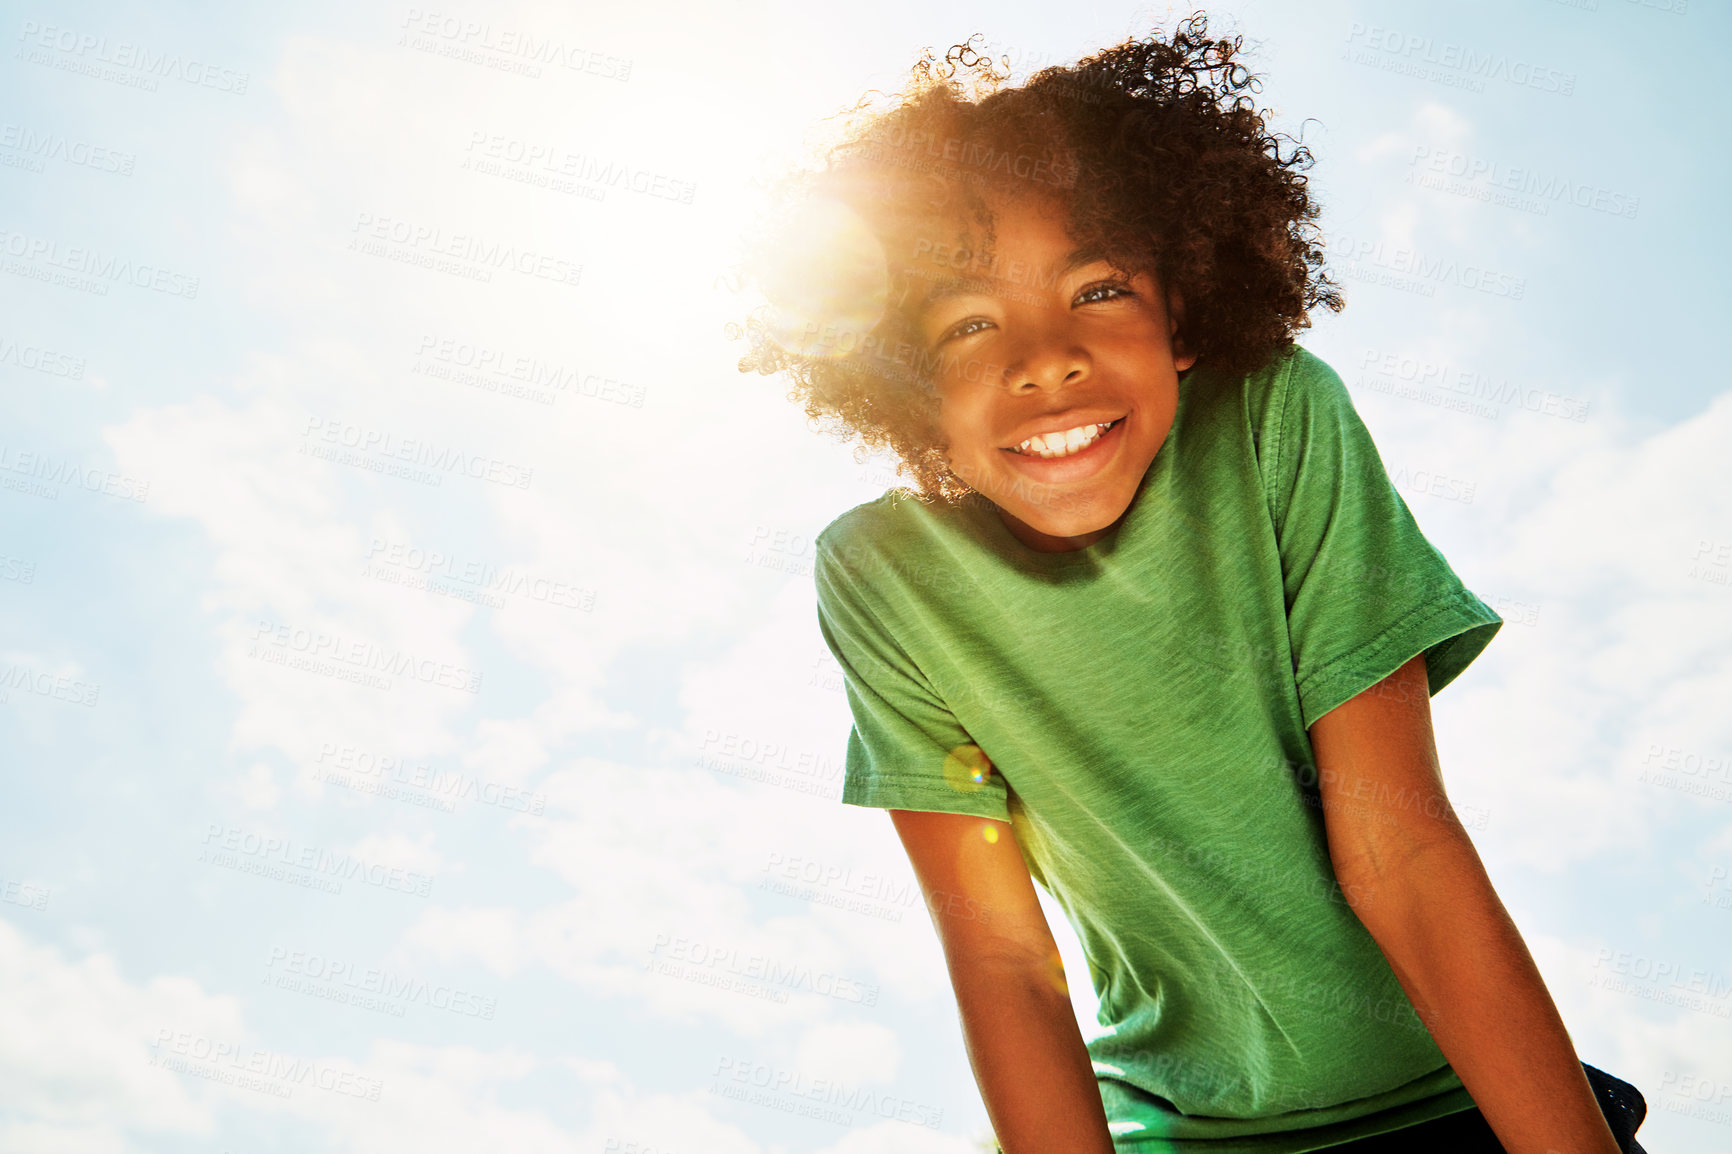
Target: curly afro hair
[1155, 152]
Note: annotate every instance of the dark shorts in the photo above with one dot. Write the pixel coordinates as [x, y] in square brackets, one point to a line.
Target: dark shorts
[1468, 1132]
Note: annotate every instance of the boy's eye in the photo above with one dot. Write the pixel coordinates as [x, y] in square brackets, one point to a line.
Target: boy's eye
[1094, 294]
[1105, 290]
[965, 328]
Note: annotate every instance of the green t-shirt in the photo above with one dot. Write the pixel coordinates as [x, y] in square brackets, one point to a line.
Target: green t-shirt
[1145, 705]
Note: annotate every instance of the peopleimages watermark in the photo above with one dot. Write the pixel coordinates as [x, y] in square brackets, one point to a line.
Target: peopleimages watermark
[369, 988]
[400, 563]
[45, 473]
[254, 1067]
[367, 772]
[123, 62]
[34, 147]
[970, 162]
[1687, 771]
[771, 762]
[57, 686]
[1514, 610]
[1433, 484]
[625, 1146]
[1659, 980]
[1412, 270]
[874, 895]
[39, 358]
[824, 1099]
[1383, 1002]
[461, 254]
[882, 477]
[415, 458]
[782, 550]
[311, 866]
[1694, 1096]
[756, 975]
[1449, 63]
[1427, 376]
[27, 894]
[512, 50]
[332, 655]
[887, 357]
[1511, 185]
[1712, 561]
[523, 376]
[827, 674]
[1672, 7]
[87, 269]
[870, 561]
[1232, 876]
[1389, 799]
[559, 169]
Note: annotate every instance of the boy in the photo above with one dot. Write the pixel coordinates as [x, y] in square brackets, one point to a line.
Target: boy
[1160, 635]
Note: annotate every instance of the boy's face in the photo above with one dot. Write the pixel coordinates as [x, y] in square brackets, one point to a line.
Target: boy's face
[1039, 338]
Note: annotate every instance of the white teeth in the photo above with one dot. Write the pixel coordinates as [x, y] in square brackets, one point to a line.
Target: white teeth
[1063, 444]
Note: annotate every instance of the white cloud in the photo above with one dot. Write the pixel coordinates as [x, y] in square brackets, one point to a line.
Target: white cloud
[400, 851]
[506, 751]
[905, 1138]
[81, 1071]
[256, 788]
[1628, 653]
[285, 584]
[437, 1100]
[76, 1049]
[662, 865]
[623, 1117]
[853, 1052]
[1628, 1023]
[1433, 126]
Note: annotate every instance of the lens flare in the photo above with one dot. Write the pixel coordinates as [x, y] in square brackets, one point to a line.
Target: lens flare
[830, 283]
[967, 768]
[1055, 974]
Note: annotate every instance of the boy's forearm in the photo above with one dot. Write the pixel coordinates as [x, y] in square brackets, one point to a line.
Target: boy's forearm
[1029, 1061]
[1464, 966]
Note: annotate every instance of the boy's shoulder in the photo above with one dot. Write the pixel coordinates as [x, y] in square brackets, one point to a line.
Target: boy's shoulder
[1292, 372]
[1294, 384]
[899, 541]
[875, 525]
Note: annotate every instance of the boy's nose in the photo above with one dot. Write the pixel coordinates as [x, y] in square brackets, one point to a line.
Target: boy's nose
[1049, 361]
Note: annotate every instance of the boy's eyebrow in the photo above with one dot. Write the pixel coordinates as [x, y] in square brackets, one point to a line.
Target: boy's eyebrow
[956, 286]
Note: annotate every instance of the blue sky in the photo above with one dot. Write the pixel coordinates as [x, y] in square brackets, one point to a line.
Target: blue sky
[415, 729]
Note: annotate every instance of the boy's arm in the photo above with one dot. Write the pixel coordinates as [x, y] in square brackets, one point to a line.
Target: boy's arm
[1023, 1042]
[1422, 892]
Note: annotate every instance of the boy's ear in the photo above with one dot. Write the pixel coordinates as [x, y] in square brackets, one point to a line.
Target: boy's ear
[1183, 357]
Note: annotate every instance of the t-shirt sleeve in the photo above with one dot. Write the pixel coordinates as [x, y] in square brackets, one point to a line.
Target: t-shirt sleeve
[906, 750]
[1365, 590]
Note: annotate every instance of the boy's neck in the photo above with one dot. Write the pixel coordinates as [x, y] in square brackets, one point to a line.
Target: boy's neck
[1046, 542]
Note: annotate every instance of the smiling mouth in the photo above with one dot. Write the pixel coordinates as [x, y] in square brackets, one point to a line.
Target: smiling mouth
[1052, 446]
